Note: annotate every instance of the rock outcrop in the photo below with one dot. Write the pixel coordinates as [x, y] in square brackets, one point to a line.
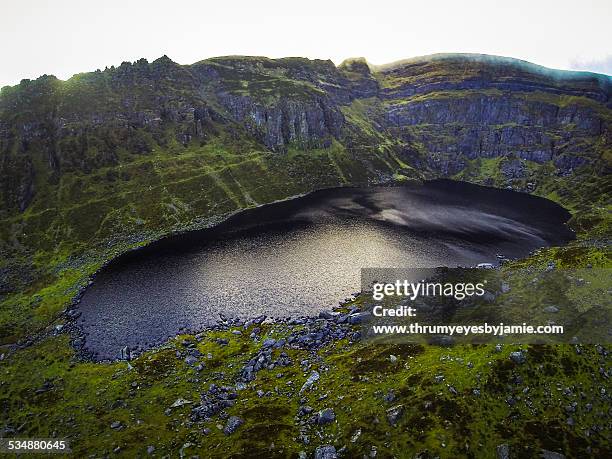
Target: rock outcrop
[459, 108]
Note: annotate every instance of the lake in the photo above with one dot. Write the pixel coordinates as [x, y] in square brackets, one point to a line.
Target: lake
[301, 256]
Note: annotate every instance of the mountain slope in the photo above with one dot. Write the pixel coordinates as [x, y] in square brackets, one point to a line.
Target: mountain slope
[111, 159]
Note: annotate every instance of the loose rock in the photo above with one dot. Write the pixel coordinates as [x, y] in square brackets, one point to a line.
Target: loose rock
[394, 414]
[326, 416]
[232, 425]
[325, 452]
[518, 357]
[314, 377]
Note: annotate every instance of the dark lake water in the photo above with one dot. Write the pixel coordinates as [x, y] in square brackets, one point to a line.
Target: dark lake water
[301, 256]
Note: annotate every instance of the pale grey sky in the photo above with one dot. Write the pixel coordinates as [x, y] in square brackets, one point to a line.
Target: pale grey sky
[64, 37]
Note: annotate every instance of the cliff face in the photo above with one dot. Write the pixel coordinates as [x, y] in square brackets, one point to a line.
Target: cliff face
[459, 108]
[149, 147]
[487, 126]
[448, 108]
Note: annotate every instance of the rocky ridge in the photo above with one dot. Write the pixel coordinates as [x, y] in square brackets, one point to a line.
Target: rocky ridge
[454, 108]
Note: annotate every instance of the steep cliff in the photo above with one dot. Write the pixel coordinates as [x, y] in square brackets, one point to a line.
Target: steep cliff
[449, 108]
[458, 108]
